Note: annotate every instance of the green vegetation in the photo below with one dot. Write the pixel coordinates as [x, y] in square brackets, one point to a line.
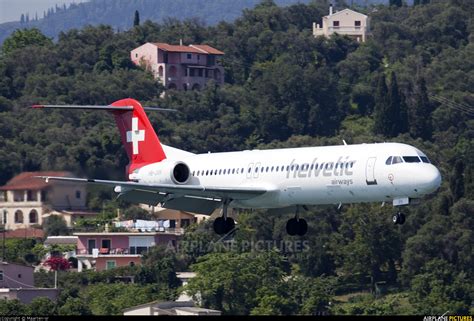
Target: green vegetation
[284, 88]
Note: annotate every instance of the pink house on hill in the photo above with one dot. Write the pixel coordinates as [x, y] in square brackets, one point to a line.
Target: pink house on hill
[108, 250]
[180, 67]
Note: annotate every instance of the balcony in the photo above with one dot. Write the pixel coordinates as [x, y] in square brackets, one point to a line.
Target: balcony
[102, 252]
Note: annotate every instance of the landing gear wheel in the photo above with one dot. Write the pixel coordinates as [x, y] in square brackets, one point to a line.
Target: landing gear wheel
[296, 227]
[222, 226]
[302, 227]
[401, 217]
[292, 226]
[229, 225]
[398, 218]
[219, 225]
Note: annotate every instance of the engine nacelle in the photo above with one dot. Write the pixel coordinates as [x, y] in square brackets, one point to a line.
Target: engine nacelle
[166, 172]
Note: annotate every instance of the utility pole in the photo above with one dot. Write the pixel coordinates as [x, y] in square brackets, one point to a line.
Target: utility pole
[4, 216]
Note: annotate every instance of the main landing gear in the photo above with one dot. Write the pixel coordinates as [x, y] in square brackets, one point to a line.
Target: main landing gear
[297, 225]
[398, 218]
[224, 224]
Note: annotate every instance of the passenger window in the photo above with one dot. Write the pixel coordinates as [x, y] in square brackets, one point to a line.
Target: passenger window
[388, 161]
[242, 171]
[266, 169]
[411, 159]
[396, 160]
[425, 159]
[233, 170]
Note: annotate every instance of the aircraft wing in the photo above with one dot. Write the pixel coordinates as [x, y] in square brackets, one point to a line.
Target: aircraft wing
[193, 198]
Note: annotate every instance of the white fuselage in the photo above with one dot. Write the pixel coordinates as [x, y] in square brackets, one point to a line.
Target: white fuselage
[313, 175]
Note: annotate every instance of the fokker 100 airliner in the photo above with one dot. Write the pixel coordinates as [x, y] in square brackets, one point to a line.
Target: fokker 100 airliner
[272, 179]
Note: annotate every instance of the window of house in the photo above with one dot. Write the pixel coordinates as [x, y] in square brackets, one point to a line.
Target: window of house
[33, 217]
[357, 23]
[335, 24]
[189, 56]
[185, 222]
[110, 265]
[31, 196]
[18, 196]
[43, 196]
[136, 55]
[5, 216]
[1, 275]
[19, 217]
[3, 196]
[211, 60]
[78, 194]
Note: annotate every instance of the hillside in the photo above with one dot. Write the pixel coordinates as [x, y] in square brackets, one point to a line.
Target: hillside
[119, 13]
[284, 88]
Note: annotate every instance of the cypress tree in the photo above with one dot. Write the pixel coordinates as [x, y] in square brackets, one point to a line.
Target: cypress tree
[397, 108]
[136, 19]
[382, 121]
[397, 3]
[420, 111]
[22, 18]
[456, 181]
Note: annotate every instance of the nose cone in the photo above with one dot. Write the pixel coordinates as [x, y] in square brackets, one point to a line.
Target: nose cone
[430, 178]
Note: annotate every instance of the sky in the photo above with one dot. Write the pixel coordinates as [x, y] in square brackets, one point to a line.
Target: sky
[11, 10]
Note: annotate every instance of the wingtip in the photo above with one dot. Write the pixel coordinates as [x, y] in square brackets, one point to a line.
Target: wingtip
[37, 106]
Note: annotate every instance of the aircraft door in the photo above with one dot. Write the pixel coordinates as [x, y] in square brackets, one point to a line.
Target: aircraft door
[370, 171]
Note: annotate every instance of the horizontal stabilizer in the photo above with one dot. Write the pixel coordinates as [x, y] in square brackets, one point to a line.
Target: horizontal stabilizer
[102, 107]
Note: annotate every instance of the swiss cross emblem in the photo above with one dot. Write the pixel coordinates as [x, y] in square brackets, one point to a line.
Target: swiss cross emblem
[135, 135]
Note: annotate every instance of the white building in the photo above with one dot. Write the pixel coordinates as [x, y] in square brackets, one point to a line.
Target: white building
[25, 200]
[345, 22]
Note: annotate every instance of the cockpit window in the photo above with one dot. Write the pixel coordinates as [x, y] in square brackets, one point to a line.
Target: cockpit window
[396, 160]
[425, 159]
[411, 159]
[388, 161]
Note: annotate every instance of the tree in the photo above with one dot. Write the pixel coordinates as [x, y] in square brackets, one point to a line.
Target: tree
[420, 111]
[57, 264]
[22, 38]
[396, 3]
[55, 225]
[136, 19]
[382, 118]
[439, 288]
[230, 282]
[456, 181]
[74, 306]
[42, 306]
[397, 108]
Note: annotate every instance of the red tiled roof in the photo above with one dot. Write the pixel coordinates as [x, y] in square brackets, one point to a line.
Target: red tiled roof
[208, 49]
[22, 233]
[26, 180]
[200, 49]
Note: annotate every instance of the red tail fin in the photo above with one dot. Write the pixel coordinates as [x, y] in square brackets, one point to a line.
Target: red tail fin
[138, 136]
